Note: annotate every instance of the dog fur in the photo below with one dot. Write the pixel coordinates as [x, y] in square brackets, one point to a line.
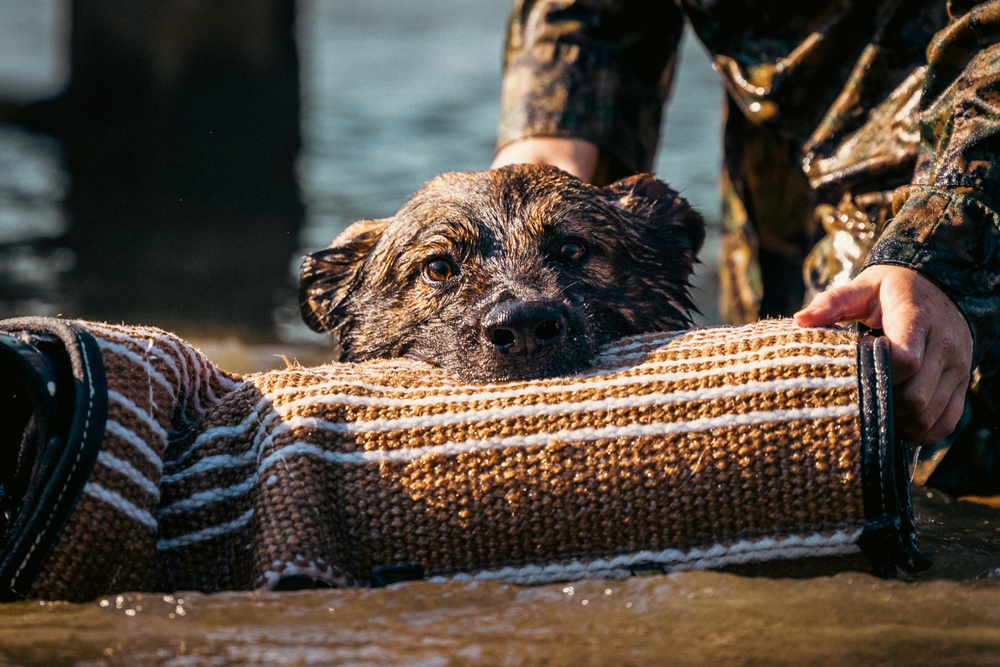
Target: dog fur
[515, 273]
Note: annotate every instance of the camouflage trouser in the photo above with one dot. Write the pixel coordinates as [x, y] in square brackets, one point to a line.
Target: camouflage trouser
[782, 241]
[764, 273]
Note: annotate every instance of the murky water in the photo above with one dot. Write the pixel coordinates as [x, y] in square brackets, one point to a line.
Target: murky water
[828, 612]
[689, 618]
[394, 91]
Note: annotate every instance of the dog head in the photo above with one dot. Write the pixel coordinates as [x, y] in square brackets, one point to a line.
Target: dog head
[514, 273]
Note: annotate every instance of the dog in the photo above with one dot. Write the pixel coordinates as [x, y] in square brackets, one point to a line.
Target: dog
[515, 273]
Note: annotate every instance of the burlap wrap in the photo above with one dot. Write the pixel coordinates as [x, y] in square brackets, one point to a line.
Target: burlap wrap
[678, 450]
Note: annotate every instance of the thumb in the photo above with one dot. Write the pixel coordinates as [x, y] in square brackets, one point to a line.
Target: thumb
[857, 300]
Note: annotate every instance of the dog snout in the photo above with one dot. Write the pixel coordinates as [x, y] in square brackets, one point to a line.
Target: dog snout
[525, 328]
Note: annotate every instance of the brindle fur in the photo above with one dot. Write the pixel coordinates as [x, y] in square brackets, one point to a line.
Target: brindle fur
[502, 230]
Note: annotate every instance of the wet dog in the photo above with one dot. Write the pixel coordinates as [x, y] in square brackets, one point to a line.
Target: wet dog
[514, 273]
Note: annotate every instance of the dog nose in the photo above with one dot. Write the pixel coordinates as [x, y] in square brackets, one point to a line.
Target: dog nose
[525, 328]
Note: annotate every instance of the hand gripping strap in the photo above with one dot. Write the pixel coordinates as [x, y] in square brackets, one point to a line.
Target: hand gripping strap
[48, 359]
[889, 538]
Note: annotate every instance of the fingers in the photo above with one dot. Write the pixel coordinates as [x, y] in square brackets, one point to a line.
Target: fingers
[931, 378]
[907, 328]
[856, 301]
[915, 418]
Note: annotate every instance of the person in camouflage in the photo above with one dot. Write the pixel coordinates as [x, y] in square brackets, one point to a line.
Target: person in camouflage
[860, 135]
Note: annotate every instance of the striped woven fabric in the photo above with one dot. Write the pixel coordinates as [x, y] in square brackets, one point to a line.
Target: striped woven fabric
[679, 450]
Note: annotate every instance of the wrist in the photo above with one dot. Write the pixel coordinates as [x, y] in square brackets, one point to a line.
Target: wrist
[576, 156]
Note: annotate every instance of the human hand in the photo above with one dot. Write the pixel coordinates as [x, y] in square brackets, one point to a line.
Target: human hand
[576, 156]
[929, 340]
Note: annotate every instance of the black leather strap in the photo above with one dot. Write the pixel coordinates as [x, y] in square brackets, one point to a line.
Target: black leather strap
[28, 397]
[889, 537]
[56, 368]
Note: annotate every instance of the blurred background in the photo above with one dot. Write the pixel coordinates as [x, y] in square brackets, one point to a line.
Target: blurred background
[168, 162]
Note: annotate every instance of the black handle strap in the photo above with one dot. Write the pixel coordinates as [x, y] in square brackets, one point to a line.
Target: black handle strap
[58, 368]
[889, 537]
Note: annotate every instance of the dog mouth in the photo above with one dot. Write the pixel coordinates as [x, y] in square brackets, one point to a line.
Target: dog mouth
[476, 369]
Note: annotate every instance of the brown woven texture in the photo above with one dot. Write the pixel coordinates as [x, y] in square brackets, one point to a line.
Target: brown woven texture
[690, 449]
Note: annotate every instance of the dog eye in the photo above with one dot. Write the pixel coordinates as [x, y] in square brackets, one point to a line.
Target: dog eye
[572, 251]
[438, 269]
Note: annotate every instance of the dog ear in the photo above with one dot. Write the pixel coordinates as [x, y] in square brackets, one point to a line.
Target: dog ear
[650, 198]
[665, 237]
[327, 276]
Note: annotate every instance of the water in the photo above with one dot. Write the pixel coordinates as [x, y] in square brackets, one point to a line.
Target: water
[687, 618]
[393, 92]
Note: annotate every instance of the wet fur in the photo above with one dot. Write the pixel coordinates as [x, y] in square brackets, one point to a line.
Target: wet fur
[503, 230]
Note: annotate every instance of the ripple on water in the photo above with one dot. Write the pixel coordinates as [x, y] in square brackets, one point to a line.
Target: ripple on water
[681, 618]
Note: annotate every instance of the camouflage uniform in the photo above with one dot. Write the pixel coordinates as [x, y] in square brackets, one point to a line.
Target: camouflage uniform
[856, 132]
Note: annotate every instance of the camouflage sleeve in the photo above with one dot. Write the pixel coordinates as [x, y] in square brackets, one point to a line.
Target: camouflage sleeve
[592, 69]
[946, 224]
